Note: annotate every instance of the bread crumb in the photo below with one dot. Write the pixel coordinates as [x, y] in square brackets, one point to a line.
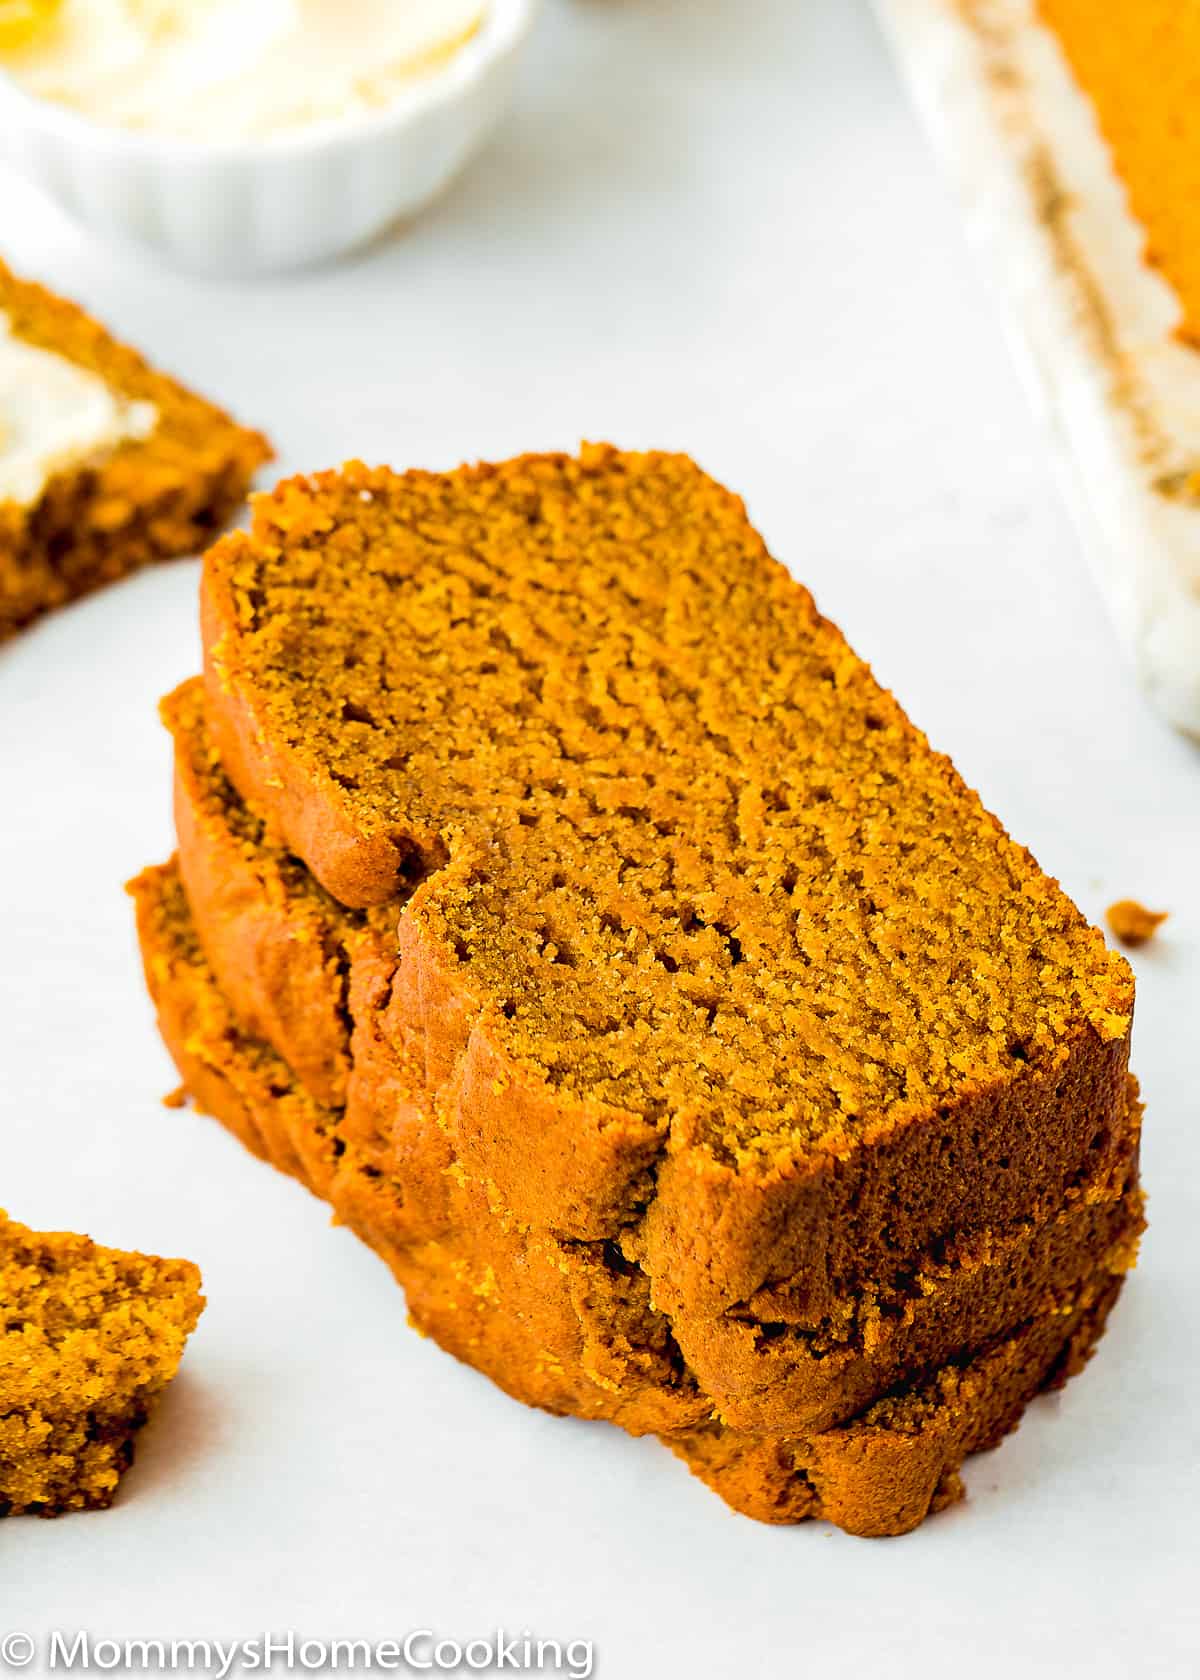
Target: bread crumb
[1132, 923]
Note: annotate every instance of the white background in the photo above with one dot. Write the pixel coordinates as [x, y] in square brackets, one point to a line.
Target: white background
[715, 228]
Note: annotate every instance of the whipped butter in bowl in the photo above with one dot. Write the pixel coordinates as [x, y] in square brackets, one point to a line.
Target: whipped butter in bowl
[234, 69]
[244, 135]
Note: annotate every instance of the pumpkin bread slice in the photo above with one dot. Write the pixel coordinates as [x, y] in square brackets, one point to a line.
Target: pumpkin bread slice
[89, 1338]
[708, 951]
[163, 489]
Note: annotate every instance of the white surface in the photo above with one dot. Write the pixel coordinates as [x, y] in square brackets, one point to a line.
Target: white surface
[1092, 321]
[731, 241]
[242, 208]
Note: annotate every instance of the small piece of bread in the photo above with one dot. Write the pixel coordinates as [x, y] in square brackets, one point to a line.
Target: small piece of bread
[1132, 923]
[89, 1338]
[153, 497]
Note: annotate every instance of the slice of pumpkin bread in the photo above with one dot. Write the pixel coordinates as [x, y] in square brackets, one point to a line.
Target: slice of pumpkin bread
[569, 1326]
[302, 972]
[105, 464]
[709, 953]
[91, 1336]
[886, 1471]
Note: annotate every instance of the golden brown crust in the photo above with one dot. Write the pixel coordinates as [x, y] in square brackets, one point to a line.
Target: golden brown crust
[153, 499]
[90, 1338]
[285, 975]
[570, 1326]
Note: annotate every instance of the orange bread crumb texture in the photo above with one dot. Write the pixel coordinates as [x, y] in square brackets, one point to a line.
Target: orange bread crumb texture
[90, 1337]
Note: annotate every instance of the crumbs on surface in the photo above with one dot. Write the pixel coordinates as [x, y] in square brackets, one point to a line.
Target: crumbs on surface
[1132, 923]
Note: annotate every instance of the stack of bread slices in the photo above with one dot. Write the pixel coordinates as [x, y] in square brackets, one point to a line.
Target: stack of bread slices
[559, 897]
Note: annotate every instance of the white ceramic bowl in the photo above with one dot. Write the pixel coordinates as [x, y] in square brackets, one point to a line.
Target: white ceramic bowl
[253, 207]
